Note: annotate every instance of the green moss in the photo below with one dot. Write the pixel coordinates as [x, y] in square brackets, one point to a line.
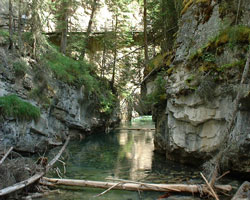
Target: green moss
[238, 63]
[231, 36]
[13, 106]
[190, 78]
[156, 62]
[188, 3]
[229, 7]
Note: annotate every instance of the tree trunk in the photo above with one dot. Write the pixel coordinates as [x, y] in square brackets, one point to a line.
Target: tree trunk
[115, 52]
[93, 10]
[103, 59]
[64, 33]
[20, 26]
[169, 20]
[36, 25]
[11, 25]
[145, 34]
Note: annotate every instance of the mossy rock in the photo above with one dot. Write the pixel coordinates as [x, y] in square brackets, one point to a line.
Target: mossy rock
[188, 3]
[156, 62]
[231, 36]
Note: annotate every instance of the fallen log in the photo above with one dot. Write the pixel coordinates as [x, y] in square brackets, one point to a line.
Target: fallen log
[35, 177]
[135, 186]
[136, 129]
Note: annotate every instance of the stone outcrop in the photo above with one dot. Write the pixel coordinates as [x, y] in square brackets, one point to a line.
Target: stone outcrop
[66, 110]
[191, 125]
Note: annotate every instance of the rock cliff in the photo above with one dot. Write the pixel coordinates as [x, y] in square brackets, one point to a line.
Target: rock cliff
[65, 109]
[202, 83]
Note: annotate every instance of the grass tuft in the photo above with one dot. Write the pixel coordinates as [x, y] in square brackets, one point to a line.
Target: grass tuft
[13, 106]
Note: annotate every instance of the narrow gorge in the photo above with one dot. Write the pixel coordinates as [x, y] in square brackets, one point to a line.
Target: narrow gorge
[147, 91]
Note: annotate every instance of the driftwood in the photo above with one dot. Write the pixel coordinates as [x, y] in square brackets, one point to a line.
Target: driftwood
[35, 177]
[137, 186]
[137, 129]
[210, 188]
[6, 155]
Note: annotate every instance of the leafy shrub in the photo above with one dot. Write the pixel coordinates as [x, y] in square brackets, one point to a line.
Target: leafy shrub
[78, 73]
[68, 70]
[107, 102]
[39, 95]
[4, 36]
[13, 106]
[20, 68]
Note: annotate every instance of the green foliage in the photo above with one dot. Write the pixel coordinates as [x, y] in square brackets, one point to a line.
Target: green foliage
[156, 62]
[229, 37]
[27, 38]
[79, 73]
[238, 63]
[228, 7]
[39, 95]
[159, 93]
[4, 36]
[208, 57]
[13, 106]
[20, 68]
[107, 102]
[163, 17]
[69, 70]
[190, 78]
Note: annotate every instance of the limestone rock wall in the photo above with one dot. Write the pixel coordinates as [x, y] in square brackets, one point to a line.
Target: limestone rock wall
[70, 112]
[190, 127]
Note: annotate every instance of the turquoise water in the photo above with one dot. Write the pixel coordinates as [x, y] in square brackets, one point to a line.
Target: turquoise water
[123, 154]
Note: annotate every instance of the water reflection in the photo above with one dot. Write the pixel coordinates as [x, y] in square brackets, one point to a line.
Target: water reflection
[137, 148]
[123, 154]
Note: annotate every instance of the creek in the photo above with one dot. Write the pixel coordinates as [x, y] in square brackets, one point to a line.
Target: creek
[123, 154]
